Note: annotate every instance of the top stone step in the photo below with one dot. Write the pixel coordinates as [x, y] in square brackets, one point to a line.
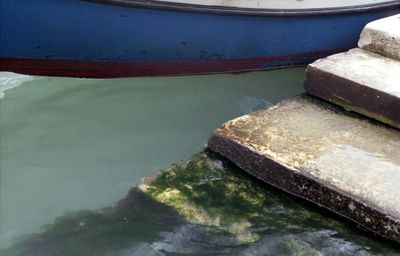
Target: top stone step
[358, 80]
[382, 36]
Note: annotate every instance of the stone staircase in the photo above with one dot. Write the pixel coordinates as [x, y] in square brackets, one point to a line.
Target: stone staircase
[318, 151]
[366, 79]
[382, 37]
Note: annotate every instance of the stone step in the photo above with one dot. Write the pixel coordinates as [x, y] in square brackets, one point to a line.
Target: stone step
[382, 36]
[319, 152]
[360, 81]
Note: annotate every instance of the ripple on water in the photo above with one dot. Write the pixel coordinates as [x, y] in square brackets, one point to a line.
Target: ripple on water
[9, 80]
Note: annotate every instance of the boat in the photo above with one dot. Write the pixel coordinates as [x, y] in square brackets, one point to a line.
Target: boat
[120, 38]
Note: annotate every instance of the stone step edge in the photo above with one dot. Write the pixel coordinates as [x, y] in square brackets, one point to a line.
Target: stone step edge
[373, 109]
[382, 41]
[271, 172]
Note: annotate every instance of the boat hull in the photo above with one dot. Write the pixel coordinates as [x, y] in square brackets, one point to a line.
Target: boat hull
[84, 39]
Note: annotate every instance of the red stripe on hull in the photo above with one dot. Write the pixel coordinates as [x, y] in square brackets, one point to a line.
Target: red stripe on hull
[113, 69]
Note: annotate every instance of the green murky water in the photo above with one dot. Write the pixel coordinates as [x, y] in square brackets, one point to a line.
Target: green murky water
[71, 148]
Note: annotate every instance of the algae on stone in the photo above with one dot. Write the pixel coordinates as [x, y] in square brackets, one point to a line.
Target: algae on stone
[202, 206]
[344, 162]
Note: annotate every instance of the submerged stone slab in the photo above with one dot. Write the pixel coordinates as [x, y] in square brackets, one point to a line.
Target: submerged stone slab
[382, 36]
[316, 151]
[201, 206]
[360, 81]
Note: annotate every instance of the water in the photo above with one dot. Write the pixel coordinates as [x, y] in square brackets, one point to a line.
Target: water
[71, 149]
[70, 144]
[202, 206]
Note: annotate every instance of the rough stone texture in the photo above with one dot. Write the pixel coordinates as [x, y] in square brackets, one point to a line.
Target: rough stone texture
[382, 36]
[318, 152]
[360, 81]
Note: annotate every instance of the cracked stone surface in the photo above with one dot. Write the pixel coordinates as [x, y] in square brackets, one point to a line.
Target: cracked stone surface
[317, 151]
[382, 36]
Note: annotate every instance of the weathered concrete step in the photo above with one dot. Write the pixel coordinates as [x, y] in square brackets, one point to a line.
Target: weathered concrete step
[319, 152]
[360, 81]
[382, 36]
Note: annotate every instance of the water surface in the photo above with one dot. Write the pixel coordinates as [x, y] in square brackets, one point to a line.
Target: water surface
[71, 144]
[201, 206]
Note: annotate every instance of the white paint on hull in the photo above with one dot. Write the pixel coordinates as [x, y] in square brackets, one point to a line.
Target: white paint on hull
[280, 4]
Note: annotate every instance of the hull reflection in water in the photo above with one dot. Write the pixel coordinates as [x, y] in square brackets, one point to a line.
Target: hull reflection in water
[203, 206]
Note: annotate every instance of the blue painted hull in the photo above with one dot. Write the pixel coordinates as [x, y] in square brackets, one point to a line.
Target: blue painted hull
[70, 30]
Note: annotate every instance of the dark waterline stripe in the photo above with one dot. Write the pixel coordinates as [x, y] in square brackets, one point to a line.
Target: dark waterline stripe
[113, 69]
